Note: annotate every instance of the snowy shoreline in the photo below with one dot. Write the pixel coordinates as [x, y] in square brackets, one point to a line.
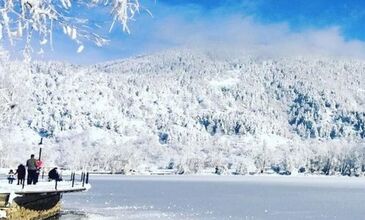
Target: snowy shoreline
[204, 173]
[303, 180]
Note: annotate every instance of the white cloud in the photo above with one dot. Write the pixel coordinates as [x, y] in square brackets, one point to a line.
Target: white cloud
[245, 35]
[185, 26]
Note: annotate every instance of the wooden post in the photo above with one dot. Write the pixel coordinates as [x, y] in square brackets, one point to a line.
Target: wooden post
[73, 179]
[83, 181]
[56, 185]
[82, 176]
[40, 154]
[87, 178]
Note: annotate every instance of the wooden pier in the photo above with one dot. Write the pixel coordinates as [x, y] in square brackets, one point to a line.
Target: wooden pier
[37, 202]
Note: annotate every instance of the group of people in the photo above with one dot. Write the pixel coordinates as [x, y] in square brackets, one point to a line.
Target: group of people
[34, 166]
[21, 175]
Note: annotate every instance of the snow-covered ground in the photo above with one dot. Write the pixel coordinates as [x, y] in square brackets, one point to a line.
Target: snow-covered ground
[218, 197]
[44, 186]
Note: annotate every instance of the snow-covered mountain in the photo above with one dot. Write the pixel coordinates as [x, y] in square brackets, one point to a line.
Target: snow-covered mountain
[189, 110]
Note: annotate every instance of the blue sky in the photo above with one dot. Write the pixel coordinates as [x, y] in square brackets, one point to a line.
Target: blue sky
[331, 26]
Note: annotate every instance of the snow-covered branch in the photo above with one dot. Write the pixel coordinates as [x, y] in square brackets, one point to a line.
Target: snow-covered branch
[22, 19]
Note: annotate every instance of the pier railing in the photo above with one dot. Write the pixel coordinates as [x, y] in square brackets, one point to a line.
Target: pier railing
[84, 179]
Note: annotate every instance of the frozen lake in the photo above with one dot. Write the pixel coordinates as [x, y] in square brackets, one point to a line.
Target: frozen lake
[218, 197]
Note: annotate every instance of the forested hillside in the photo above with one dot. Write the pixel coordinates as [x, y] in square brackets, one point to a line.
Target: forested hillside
[190, 111]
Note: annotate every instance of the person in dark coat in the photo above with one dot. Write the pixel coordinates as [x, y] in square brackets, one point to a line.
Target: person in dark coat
[21, 174]
[32, 170]
[54, 175]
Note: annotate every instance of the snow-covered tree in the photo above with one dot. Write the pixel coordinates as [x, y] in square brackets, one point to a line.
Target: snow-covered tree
[188, 111]
[26, 19]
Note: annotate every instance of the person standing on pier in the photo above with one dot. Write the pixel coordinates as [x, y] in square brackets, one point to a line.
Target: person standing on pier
[32, 170]
[21, 174]
[39, 165]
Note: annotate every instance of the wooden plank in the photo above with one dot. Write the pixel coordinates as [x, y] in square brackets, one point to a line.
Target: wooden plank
[51, 191]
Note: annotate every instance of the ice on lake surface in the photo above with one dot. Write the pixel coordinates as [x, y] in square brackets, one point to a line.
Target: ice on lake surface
[218, 197]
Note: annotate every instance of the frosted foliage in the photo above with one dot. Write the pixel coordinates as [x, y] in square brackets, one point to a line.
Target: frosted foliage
[192, 112]
[21, 19]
